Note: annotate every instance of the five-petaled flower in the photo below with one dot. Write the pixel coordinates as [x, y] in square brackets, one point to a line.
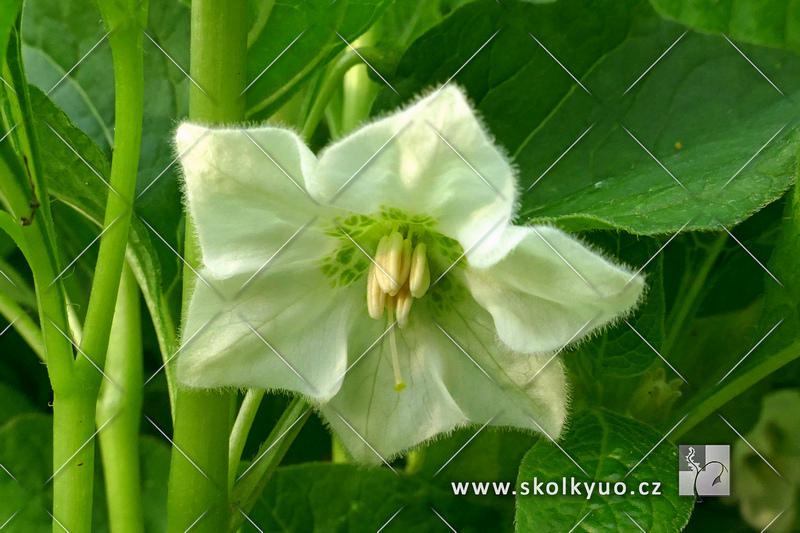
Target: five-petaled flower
[384, 279]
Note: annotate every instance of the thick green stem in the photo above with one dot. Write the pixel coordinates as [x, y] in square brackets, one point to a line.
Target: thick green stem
[73, 453]
[198, 480]
[358, 91]
[219, 61]
[120, 409]
[26, 194]
[338, 451]
[203, 418]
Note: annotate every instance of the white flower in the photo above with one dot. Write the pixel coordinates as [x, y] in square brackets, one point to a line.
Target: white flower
[309, 261]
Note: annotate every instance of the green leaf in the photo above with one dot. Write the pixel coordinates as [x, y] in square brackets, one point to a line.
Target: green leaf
[607, 446]
[73, 179]
[782, 301]
[343, 497]
[8, 14]
[403, 22]
[14, 403]
[703, 111]
[26, 453]
[778, 329]
[493, 455]
[606, 369]
[155, 458]
[68, 37]
[768, 22]
[620, 352]
[318, 21]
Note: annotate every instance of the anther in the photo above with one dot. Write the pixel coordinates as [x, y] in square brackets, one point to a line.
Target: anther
[405, 261]
[376, 298]
[394, 264]
[381, 259]
[420, 274]
[403, 302]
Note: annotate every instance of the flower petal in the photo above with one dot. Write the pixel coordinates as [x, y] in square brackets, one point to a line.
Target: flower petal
[546, 289]
[300, 322]
[489, 381]
[244, 205]
[445, 389]
[391, 421]
[433, 158]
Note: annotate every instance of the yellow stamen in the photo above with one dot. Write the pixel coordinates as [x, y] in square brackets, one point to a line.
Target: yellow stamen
[420, 275]
[405, 262]
[403, 302]
[381, 258]
[393, 264]
[376, 298]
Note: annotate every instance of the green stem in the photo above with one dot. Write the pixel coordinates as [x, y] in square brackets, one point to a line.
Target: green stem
[26, 194]
[358, 91]
[779, 302]
[687, 304]
[249, 487]
[74, 424]
[23, 324]
[202, 419]
[717, 397]
[126, 49]
[357, 105]
[198, 480]
[330, 84]
[73, 453]
[120, 408]
[22, 182]
[241, 428]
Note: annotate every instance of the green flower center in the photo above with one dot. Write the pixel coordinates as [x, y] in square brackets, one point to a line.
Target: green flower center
[348, 264]
[405, 252]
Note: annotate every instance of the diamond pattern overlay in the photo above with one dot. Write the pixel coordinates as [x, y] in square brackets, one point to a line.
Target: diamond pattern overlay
[67, 79]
